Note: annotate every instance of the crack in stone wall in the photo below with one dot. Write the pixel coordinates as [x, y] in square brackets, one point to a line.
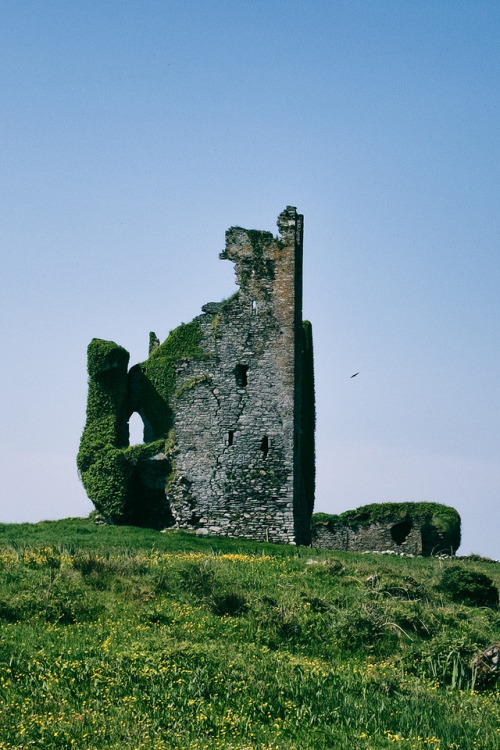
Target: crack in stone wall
[232, 408]
[241, 488]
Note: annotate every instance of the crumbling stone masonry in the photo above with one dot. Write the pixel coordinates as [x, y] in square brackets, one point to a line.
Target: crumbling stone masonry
[410, 528]
[227, 403]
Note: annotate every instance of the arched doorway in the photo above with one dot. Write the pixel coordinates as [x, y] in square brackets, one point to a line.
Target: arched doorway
[135, 429]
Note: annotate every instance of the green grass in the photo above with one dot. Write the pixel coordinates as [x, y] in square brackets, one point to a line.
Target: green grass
[118, 637]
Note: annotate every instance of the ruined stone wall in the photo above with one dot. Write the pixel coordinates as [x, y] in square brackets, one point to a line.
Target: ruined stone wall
[237, 412]
[376, 536]
[415, 535]
[223, 409]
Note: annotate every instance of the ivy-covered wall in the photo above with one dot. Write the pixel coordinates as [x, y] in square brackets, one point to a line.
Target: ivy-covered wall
[155, 378]
[101, 462]
[123, 482]
[417, 528]
[221, 401]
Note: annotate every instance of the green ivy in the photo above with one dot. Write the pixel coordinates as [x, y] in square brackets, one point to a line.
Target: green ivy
[158, 381]
[216, 318]
[442, 518]
[191, 384]
[101, 464]
[105, 461]
[105, 355]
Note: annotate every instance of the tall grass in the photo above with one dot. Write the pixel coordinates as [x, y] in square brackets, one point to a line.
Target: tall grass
[126, 638]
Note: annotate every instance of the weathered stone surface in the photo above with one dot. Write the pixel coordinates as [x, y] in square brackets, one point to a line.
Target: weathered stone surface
[412, 536]
[487, 663]
[237, 428]
[226, 395]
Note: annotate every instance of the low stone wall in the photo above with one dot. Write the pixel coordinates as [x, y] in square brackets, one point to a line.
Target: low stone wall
[413, 536]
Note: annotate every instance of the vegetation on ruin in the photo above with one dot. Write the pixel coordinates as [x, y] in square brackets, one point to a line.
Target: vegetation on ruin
[101, 462]
[158, 382]
[444, 518]
[114, 637]
[105, 461]
[257, 264]
[215, 325]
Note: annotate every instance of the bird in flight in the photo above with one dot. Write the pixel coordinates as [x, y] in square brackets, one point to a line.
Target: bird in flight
[356, 373]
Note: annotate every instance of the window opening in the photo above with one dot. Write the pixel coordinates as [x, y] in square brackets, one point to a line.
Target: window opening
[264, 445]
[230, 437]
[135, 429]
[254, 307]
[240, 372]
[400, 531]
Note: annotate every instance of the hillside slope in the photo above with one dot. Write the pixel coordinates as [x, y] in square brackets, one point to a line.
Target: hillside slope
[118, 637]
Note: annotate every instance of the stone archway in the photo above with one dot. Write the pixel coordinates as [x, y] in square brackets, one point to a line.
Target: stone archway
[135, 429]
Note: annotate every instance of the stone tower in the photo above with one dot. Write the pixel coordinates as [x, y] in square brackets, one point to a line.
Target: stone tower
[231, 397]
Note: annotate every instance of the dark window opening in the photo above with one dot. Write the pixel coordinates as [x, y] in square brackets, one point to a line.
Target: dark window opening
[400, 531]
[240, 372]
[230, 437]
[264, 445]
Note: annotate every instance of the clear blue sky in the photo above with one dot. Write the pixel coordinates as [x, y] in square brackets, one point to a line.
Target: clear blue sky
[135, 133]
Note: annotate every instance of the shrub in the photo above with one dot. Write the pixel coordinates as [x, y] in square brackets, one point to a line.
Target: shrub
[229, 603]
[199, 579]
[57, 600]
[469, 587]
[282, 625]
[89, 563]
[403, 587]
[329, 568]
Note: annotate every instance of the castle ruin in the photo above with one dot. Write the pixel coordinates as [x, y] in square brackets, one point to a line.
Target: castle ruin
[416, 528]
[227, 403]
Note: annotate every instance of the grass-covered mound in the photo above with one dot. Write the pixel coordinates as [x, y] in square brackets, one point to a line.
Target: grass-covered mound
[118, 637]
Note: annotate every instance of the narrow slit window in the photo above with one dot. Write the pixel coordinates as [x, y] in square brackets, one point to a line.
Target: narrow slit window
[240, 372]
[264, 446]
[254, 307]
[230, 437]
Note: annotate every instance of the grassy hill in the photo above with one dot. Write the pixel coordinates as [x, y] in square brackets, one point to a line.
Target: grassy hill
[118, 637]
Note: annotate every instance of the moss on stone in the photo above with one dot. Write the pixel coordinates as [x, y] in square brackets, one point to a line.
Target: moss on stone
[217, 317]
[101, 463]
[190, 384]
[105, 355]
[159, 374]
[438, 517]
[105, 461]
[260, 241]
